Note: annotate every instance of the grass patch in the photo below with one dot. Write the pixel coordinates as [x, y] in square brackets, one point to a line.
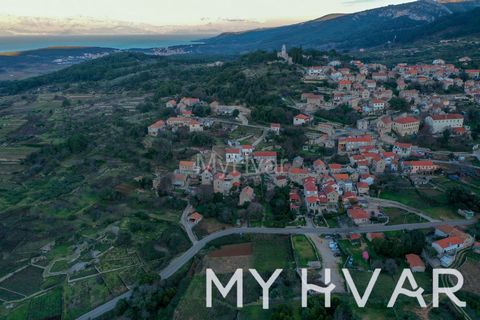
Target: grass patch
[304, 251]
[433, 202]
[19, 313]
[61, 265]
[399, 216]
[46, 306]
[386, 284]
[271, 252]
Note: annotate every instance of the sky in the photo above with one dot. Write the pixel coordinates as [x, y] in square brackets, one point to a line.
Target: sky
[187, 12]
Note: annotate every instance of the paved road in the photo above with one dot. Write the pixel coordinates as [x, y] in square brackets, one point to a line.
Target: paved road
[186, 225]
[261, 138]
[240, 124]
[181, 260]
[104, 308]
[460, 164]
[178, 262]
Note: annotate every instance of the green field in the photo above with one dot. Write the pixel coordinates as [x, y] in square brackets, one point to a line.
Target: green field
[399, 216]
[270, 253]
[61, 265]
[19, 313]
[385, 284]
[433, 202]
[304, 251]
[27, 281]
[46, 306]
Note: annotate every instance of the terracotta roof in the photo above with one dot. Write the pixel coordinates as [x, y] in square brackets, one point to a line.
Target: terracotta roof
[419, 163]
[451, 116]
[319, 163]
[187, 163]
[235, 174]
[364, 138]
[195, 216]
[310, 186]
[233, 150]
[358, 213]
[375, 235]
[388, 154]
[447, 242]
[312, 199]
[335, 166]
[403, 145]
[298, 171]
[406, 120]
[302, 116]
[349, 194]
[341, 176]
[414, 260]
[158, 124]
[355, 236]
[362, 185]
[294, 196]
[265, 154]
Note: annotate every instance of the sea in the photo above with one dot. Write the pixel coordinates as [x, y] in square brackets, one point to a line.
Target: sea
[24, 43]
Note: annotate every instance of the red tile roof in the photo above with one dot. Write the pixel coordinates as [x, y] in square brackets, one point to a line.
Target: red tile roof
[414, 260]
[302, 116]
[375, 235]
[158, 124]
[406, 120]
[358, 213]
[447, 242]
[233, 150]
[298, 171]
[362, 185]
[335, 166]
[403, 145]
[419, 163]
[451, 116]
[265, 154]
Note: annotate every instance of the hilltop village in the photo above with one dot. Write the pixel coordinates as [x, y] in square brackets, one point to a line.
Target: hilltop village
[124, 178]
[394, 109]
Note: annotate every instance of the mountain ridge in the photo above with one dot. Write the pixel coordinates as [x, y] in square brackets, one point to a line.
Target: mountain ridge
[357, 30]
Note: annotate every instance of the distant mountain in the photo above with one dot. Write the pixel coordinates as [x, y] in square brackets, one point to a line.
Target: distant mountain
[359, 30]
[79, 25]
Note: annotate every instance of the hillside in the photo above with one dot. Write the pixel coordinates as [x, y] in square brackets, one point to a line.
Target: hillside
[359, 30]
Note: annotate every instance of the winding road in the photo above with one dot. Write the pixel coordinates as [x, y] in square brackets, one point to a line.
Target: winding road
[181, 260]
